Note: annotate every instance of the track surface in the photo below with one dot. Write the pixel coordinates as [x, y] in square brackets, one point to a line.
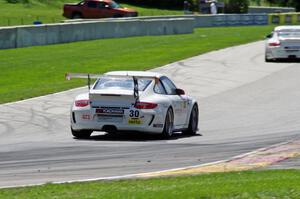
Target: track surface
[245, 104]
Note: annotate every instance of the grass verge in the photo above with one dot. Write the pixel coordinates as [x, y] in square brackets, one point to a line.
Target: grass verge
[271, 184]
[50, 11]
[35, 71]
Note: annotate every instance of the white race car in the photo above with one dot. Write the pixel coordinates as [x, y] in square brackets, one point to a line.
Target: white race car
[133, 101]
[283, 43]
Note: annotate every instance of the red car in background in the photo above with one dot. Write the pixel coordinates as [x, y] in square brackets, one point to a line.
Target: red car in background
[97, 9]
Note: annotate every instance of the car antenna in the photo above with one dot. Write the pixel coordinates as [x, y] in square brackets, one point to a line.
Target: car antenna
[135, 89]
[89, 82]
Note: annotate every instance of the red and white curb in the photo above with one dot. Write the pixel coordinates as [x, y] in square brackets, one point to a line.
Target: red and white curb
[253, 160]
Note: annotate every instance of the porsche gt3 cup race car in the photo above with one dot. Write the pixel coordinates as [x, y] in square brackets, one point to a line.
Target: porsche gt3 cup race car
[133, 101]
[283, 43]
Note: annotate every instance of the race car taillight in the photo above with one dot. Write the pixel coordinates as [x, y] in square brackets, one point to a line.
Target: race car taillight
[82, 103]
[274, 44]
[145, 105]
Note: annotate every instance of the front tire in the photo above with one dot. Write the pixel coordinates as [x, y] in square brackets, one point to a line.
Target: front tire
[81, 134]
[193, 122]
[169, 124]
[118, 16]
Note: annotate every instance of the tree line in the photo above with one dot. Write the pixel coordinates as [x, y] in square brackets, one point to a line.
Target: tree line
[290, 3]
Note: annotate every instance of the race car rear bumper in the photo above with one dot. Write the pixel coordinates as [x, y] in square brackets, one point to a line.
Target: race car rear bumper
[278, 53]
[149, 121]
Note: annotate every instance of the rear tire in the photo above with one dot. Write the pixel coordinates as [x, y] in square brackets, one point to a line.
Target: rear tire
[193, 123]
[266, 59]
[76, 16]
[169, 124]
[81, 134]
[269, 60]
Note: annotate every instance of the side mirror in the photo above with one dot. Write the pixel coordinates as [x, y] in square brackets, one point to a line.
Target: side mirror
[269, 36]
[107, 6]
[179, 91]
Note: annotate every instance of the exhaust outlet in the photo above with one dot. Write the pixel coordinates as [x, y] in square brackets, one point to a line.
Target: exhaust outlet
[109, 128]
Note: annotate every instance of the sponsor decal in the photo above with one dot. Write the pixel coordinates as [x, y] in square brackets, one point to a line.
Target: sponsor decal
[292, 47]
[185, 104]
[134, 121]
[158, 125]
[110, 111]
[86, 116]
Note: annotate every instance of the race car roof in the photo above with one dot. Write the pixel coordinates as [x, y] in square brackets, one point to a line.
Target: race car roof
[134, 74]
[280, 28]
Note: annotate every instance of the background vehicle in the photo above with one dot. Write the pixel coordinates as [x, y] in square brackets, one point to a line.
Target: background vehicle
[283, 43]
[133, 101]
[97, 9]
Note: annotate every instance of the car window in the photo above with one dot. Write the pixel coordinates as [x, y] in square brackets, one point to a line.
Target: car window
[169, 86]
[92, 4]
[289, 33]
[121, 83]
[113, 4]
[102, 5]
[159, 89]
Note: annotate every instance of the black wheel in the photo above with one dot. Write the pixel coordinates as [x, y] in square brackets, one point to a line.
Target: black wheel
[76, 16]
[169, 124]
[81, 133]
[193, 123]
[267, 59]
[117, 16]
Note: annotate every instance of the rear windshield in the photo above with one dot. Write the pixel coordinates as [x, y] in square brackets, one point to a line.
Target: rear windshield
[115, 5]
[289, 33]
[120, 83]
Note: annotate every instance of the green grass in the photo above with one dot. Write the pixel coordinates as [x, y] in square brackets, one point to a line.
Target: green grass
[35, 71]
[149, 11]
[19, 14]
[50, 11]
[262, 3]
[276, 184]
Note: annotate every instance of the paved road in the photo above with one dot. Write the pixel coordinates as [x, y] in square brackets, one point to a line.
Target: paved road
[245, 104]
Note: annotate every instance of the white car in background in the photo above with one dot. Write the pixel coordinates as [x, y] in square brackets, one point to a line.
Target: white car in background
[133, 101]
[283, 43]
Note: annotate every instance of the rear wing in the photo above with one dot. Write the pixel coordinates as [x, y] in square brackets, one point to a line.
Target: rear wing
[90, 76]
[68, 76]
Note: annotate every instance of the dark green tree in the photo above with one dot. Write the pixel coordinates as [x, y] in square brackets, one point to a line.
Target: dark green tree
[290, 3]
[236, 6]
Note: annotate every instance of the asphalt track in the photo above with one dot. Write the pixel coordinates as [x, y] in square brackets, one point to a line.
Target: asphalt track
[245, 104]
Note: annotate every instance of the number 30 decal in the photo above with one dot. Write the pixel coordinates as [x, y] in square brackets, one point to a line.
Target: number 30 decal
[133, 113]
